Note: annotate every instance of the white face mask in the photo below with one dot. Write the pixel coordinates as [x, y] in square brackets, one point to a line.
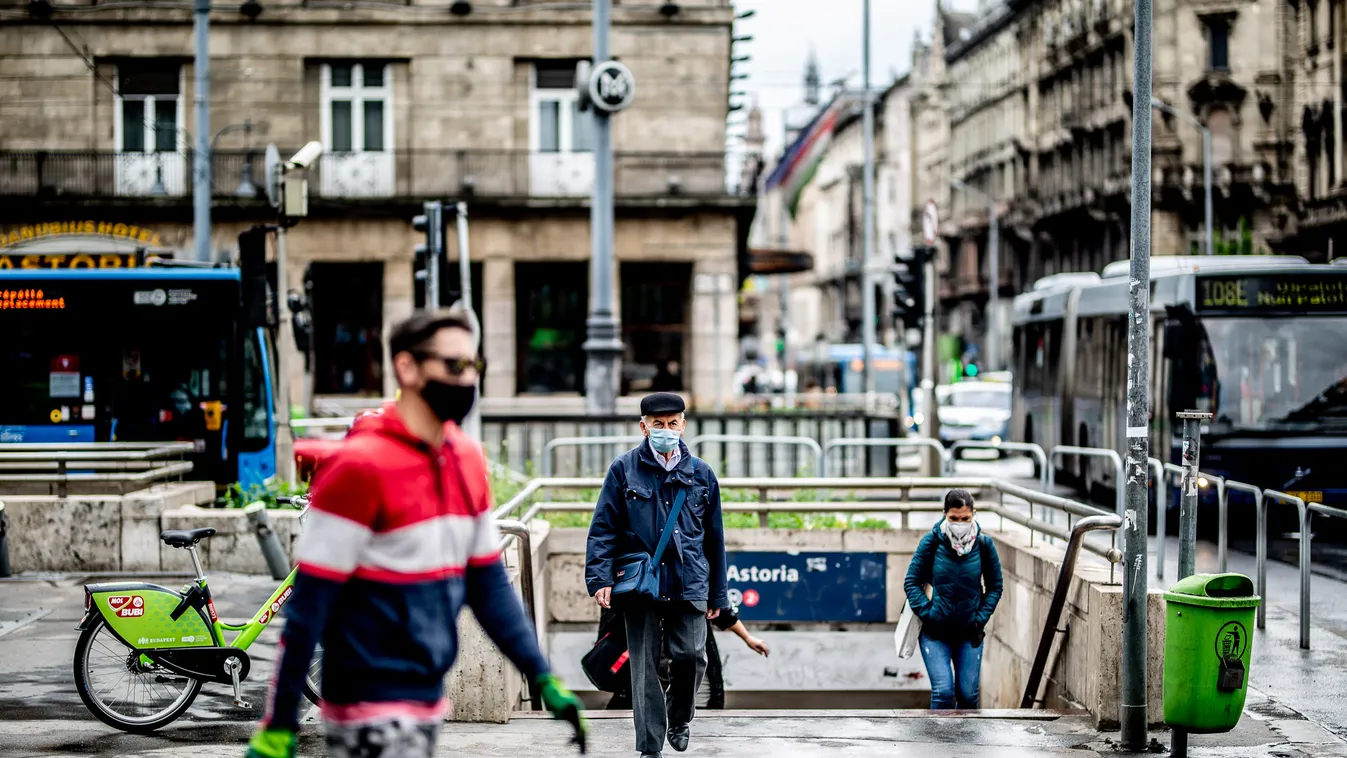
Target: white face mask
[960, 529]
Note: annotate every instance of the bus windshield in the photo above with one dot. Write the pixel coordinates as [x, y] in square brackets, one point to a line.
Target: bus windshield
[1265, 373]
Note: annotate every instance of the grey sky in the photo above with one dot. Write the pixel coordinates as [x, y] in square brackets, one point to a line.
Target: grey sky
[784, 31]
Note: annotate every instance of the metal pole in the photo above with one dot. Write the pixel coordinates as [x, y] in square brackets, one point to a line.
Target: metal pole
[278, 563]
[994, 297]
[1206, 181]
[1192, 440]
[434, 249]
[868, 210]
[202, 155]
[285, 441]
[1132, 716]
[931, 425]
[603, 348]
[473, 423]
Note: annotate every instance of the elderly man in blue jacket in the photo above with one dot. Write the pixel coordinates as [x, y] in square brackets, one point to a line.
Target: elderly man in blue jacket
[638, 495]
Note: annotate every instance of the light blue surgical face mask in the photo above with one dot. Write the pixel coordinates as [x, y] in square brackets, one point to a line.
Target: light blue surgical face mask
[664, 440]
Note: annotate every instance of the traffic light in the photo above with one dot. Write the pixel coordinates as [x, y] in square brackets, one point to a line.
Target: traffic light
[429, 255]
[909, 293]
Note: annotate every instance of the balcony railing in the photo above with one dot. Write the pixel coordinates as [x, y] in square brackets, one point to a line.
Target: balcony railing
[501, 174]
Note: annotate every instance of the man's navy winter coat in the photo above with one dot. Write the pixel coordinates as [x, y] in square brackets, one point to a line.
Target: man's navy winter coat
[632, 510]
[959, 606]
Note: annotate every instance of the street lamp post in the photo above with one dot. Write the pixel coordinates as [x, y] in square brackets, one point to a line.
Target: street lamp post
[1206, 161]
[993, 263]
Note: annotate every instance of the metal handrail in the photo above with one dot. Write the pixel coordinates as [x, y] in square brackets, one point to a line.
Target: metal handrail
[1221, 519]
[820, 463]
[519, 531]
[552, 445]
[1090, 452]
[1259, 542]
[1064, 574]
[946, 461]
[322, 423]
[1156, 471]
[1034, 450]
[1307, 511]
[766, 484]
[92, 451]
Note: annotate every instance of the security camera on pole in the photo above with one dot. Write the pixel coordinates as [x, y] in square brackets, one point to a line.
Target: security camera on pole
[605, 89]
[288, 193]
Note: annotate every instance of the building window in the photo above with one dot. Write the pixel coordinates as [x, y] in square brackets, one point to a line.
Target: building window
[1218, 44]
[356, 121]
[147, 107]
[654, 326]
[561, 137]
[348, 314]
[551, 302]
[151, 156]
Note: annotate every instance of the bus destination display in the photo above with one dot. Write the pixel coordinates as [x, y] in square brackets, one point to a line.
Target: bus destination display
[121, 298]
[1271, 292]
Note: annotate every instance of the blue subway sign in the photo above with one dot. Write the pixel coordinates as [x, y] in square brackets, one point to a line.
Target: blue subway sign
[801, 587]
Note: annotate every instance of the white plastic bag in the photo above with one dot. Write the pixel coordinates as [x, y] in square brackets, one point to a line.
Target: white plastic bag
[906, 633]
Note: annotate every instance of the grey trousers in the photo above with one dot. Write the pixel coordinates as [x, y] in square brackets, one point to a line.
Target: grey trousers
[684, 628]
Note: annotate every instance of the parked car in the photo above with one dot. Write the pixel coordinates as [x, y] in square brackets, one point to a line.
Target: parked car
[972, 410]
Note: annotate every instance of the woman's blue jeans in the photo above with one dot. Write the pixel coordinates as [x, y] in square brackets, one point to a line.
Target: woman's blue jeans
[955, 670]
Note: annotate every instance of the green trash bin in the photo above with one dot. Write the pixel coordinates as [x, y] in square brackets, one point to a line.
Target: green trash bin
[1209, 621]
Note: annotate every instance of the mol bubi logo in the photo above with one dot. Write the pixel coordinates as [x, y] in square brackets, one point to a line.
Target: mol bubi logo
[127, 606]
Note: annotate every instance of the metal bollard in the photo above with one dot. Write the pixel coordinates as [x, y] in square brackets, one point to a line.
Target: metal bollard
[4, 542]
[277, 561]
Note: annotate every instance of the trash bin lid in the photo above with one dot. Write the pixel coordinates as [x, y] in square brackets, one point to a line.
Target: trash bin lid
[1214, 591]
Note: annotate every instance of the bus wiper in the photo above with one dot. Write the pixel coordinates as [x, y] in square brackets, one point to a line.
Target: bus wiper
[1333, 398]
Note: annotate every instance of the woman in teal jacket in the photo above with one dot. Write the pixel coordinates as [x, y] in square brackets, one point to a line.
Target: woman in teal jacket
[959, 562]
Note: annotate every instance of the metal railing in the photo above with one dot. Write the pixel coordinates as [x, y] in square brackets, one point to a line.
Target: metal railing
[549, 450]
[1050, 629]
[1035, 451]
[946, 460]
[1093, 519]
[1306, 512]
[1259, 542]
[4, 542]
[1090, 452]
[820, 462]
[1157, 477]
[60, 464]
[399, 173]
[1221, 517]
[525, 507]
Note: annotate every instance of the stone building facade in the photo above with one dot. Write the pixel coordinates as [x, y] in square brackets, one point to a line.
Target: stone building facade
[413, 102]
[1313, 36]
[1037, 98]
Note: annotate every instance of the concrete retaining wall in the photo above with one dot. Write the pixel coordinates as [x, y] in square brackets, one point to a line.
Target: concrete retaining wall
[1086, 674]
[95, 532]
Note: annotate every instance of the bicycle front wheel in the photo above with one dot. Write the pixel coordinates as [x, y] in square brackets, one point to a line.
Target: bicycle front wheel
[313, 681]
[123, 689]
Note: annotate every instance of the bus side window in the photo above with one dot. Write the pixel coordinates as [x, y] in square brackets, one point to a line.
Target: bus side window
[256, 430]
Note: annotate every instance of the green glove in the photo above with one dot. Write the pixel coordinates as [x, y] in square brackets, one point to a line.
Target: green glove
[563, 704]
[271, 743]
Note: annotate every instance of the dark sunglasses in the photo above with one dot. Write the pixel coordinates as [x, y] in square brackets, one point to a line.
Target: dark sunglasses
[456, 366]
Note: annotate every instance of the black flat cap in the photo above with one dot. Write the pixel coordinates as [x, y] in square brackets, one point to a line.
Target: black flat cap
[662, 404]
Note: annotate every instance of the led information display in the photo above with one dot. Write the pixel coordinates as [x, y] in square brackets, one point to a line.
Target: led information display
[1290, 293]
[93, 298]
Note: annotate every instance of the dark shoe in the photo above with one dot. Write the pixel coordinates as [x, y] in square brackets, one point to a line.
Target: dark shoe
[679, 736]
[652, 755]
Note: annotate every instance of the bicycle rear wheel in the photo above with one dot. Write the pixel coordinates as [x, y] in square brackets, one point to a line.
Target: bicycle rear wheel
[313, 681]
[123, 691]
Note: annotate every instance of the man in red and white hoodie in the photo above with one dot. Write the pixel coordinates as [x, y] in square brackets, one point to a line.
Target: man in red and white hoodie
[399, 538]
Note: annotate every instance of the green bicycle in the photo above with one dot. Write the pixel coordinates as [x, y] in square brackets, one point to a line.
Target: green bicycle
[144, 651]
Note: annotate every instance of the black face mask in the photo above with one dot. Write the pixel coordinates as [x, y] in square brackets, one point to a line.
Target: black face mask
[449, 402]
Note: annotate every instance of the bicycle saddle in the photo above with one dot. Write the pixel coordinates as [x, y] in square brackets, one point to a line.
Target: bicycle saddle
[185, 537]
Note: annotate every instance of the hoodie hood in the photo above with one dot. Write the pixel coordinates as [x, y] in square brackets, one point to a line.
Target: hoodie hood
[386, 422]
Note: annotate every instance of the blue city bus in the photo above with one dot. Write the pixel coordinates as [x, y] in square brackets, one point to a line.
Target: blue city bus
[140, 354]
[1258, 341]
